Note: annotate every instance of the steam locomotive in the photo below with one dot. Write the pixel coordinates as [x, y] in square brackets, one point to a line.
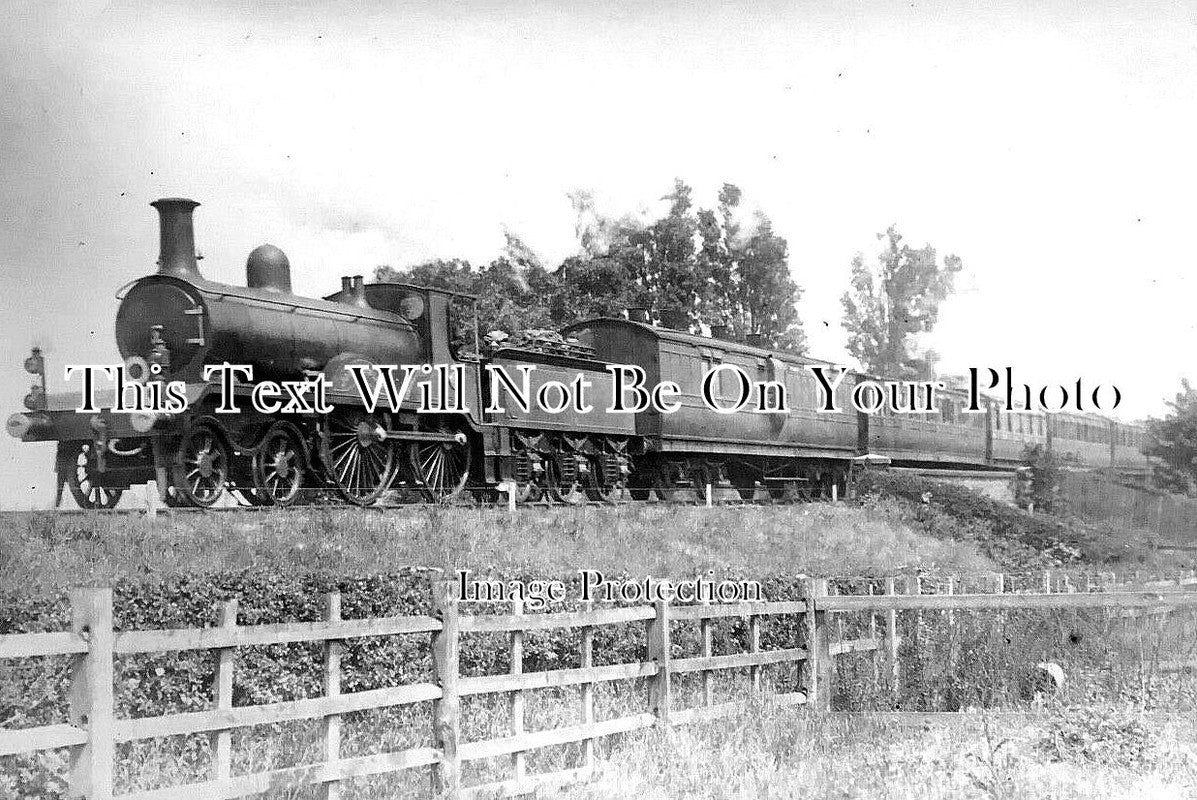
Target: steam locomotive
[173, 323]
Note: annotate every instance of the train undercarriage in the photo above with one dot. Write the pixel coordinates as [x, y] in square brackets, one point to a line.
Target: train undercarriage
[360, 458]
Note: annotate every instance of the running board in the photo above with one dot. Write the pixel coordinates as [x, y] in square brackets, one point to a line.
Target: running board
[426, 436]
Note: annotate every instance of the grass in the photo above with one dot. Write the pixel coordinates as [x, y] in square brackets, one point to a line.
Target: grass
[791, 754]
[45, 552]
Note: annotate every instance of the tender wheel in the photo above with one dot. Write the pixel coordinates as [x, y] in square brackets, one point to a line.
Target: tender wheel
[278, 468]
[358, 459]
[201, 470]
[649, 482]
[441, 468]
[82, 478]
[561, 480]
[526, 490]
[640, 485]
[601, 491]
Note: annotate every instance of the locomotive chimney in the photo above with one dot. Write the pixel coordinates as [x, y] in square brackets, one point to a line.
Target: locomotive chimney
[359, 292]
[353, 291]
[638, 314]
[176, 251]
[268, 268]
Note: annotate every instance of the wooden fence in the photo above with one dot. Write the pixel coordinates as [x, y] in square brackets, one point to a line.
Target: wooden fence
[94, 730]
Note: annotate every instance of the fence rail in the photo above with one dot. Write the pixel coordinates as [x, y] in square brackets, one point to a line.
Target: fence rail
[94, 730]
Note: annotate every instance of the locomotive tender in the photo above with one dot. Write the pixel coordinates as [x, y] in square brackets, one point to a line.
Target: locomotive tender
[173, 323]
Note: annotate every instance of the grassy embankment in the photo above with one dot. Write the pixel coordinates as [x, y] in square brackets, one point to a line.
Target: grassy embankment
[41, 551]
[780, 754]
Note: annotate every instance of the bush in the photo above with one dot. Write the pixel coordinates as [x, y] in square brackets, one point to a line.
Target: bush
[1006, 534]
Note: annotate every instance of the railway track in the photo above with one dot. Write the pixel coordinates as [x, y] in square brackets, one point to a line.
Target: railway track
[481, 498]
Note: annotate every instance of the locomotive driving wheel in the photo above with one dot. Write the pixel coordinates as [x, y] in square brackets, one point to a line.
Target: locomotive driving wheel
[77, 466]
[441, 468]
[201, 469]
[358, 459]
[278, 471]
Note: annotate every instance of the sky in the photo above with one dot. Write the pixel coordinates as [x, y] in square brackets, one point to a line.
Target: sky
[1049, 145]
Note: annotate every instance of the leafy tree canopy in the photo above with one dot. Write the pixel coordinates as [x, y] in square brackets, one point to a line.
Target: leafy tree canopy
[889, 303]
[1173, 440]
[690, 267]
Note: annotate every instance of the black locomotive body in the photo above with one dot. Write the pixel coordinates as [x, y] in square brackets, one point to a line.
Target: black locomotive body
[172, 324]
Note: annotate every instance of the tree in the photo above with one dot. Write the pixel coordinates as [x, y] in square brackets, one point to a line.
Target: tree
[671, 275]
[886, 306]
[1039, 481]
[695, 263]
[515, 292]
[767, 294]
[1173, 440]
[454, 274]
[595, 286]
[506, 299]
[720, 235]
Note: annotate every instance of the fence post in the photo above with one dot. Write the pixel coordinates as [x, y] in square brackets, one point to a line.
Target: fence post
[754, 646]
[446, 712]
[951, 589]
[517, 697]
[1047, 581]
[587, 689]
[914, 586]
[222, 695]
[704, 629]
[659, 691]
[840, 625]
[91, 705]
[873, 643]
[818, 648]
[332, 688]
[891, 636]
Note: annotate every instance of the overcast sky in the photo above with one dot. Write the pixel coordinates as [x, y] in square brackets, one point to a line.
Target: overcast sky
[1050, 146]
